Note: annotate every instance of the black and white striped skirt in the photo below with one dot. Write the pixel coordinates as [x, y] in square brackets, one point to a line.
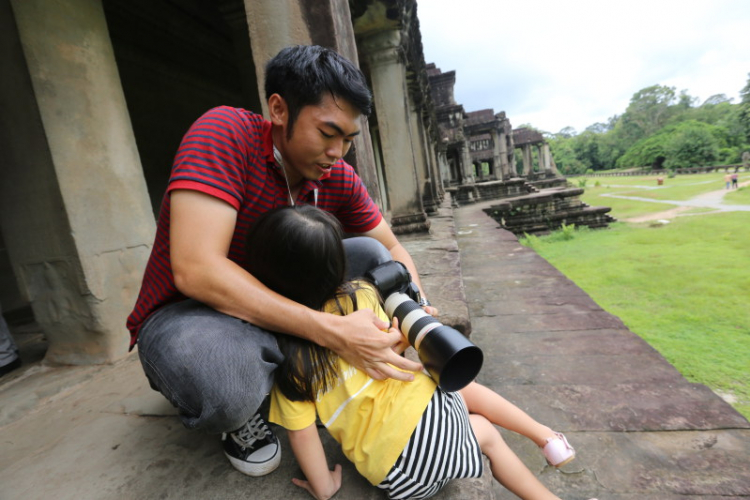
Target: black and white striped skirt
[443, 447]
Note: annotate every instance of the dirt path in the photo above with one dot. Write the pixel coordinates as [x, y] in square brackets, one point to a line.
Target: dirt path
[712, 200]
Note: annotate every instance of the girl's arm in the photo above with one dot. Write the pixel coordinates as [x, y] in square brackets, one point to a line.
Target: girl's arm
[321, 483]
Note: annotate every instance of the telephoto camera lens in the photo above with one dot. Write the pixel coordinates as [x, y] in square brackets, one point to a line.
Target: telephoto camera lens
[451, 359]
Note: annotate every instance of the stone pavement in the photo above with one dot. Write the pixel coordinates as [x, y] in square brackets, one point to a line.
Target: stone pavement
[641, 430]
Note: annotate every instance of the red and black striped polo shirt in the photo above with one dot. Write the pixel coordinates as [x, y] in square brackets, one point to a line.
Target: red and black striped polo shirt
[228, 153]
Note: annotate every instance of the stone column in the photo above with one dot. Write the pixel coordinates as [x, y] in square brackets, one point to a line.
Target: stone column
[432, 195]
[421, 166]
[75, 211]
[527, 159]
[549, 164]
[497, 154]
[502, 152]
[273, 25]
[330, 25]
[466, 164]
[444, 166]
[540, 162]
[388, 73]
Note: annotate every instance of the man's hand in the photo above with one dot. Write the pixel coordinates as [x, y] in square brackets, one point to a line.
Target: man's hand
[403, 342]
[360, 338]
[432, 311]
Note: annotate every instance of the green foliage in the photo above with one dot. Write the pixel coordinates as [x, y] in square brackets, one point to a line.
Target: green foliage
[649, 134]
[648, 111]
[692, 144]
[650, 152]
[744, 108]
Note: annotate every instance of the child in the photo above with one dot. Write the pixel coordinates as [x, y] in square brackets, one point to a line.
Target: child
[408, 438]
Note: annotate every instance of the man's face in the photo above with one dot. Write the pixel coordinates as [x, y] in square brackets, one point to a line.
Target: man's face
[321, 135]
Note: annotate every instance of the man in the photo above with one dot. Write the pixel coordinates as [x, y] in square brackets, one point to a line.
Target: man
[202, 321]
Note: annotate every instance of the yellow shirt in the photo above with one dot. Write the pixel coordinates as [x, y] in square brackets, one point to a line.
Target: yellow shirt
[372, 419]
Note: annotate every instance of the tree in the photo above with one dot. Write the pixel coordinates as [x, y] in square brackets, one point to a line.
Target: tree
[566, 132]
[744, 113]
[692, 144]
[717, 99]
[598, 128]
[648, 152]
[648, 111]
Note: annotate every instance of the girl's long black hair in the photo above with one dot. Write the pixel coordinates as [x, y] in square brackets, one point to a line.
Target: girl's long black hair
[298, 253]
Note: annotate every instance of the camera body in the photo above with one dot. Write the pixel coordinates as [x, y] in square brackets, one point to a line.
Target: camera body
[451, 359]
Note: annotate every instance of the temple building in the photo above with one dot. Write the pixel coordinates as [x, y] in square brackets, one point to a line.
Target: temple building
[96, 95]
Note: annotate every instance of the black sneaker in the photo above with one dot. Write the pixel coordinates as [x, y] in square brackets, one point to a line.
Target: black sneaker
[253, 449]
[16, 363]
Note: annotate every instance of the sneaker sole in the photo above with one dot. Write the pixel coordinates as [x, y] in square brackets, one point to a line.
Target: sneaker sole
[564, 462]
[256, 469]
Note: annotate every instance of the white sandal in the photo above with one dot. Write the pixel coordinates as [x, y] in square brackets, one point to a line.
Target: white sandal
[558, 451]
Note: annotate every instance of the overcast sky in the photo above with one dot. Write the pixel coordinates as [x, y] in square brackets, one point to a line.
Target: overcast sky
[552, 63]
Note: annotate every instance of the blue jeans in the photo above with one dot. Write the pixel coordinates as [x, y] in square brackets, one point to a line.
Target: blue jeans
[217, 369]
[8, 349]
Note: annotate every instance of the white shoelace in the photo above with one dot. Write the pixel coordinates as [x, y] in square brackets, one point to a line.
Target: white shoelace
[254, 430]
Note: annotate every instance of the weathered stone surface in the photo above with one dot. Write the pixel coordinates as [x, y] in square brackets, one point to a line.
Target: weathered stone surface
[641, 431]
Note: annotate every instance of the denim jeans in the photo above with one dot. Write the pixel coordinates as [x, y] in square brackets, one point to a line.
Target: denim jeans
[8, 349]
[217, 369]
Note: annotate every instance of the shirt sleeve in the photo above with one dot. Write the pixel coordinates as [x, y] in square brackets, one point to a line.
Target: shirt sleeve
[291, 415]
[360, 213]
[212, 155]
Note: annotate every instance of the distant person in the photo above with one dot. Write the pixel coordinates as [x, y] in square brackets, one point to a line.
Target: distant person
[407, 438]
[728, 180]
[9, 359]
[735, 178]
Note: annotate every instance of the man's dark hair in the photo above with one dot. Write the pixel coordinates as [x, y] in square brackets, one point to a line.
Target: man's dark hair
[303, 74]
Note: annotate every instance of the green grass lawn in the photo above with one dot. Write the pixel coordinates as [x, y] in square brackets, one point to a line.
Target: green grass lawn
[739, 196]
[683, 287]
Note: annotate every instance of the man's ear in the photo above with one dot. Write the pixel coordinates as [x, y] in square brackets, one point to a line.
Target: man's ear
[278, 110]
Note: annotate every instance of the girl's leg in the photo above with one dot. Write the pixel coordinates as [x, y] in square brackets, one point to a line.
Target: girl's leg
[498, 410]
[506, 467]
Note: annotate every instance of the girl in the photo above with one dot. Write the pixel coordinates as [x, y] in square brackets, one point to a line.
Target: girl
[408, 438]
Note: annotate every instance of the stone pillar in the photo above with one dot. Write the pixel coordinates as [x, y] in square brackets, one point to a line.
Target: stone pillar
[388, 73]
[444, 166]
[497, 154]
[75, 212]
[466, 164]
[273, 25]
[330, 25]
[527, 159]
[540, 168]
[421, 167]
[435, 169]
[549, 163]
[432, 195]
[502, 153]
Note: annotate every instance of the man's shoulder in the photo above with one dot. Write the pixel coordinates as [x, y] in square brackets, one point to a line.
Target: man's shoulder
[233, 114]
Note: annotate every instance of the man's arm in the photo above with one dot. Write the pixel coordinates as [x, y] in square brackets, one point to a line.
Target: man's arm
[201, 229]
[383, 233]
